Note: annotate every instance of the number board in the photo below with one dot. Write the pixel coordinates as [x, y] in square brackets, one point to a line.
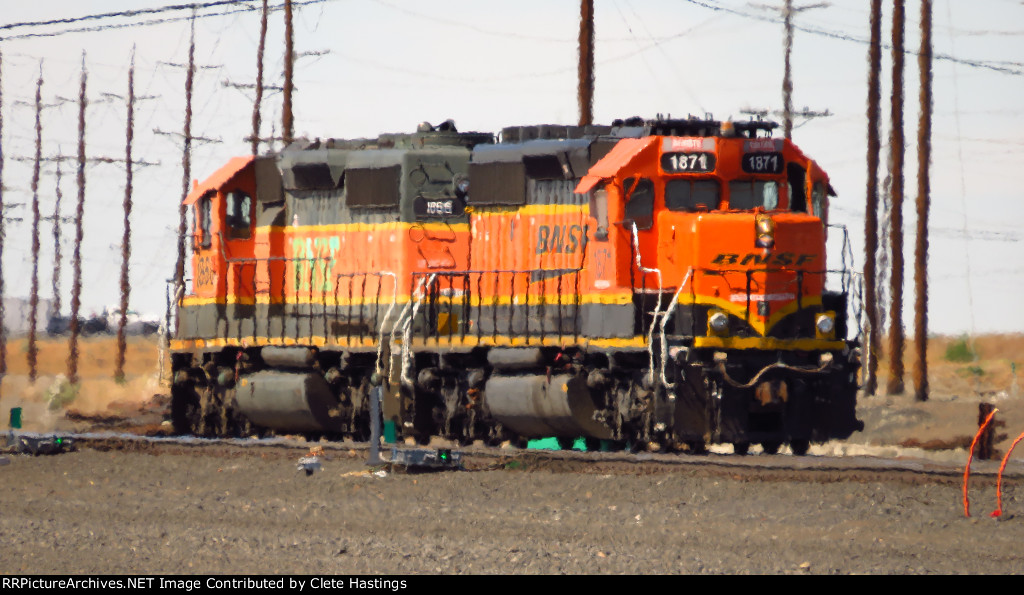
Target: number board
[441, 208]
[762, 163]
[688, 162]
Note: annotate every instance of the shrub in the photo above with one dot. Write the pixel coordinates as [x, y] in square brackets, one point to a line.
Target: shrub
[959, 351]
[61, 393]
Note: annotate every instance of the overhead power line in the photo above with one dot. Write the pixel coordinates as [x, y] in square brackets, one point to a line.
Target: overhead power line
[123, 13]
[1015, 68]
[242, 6]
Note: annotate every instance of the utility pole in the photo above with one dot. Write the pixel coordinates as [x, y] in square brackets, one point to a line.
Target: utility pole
[924, 150]
[76, 259]
[57, 220]
[3, 333]
[186, 164]
[896, 151]
[586, 64]
[788, 10]
[287, 122]
[34, 298]
[259, 82]
[126, 247]
[871, 207]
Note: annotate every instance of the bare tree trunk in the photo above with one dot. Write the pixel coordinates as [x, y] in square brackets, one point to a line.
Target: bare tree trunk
[924, 150]
[896, 150]
[586, 65]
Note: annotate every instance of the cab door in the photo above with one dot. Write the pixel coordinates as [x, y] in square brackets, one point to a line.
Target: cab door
[207, 277]
[237, 233]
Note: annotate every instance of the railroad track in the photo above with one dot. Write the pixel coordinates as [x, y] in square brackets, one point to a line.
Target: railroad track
[479, 458]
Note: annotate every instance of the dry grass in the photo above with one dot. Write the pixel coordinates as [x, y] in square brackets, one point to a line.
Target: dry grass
[97, 391]
[998, 360]
[956, 388]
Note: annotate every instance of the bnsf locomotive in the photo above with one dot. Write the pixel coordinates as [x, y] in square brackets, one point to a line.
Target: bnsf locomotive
[655, 283]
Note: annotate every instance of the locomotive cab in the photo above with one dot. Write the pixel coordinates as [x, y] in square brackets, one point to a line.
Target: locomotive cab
[721, 239]
[222, 221]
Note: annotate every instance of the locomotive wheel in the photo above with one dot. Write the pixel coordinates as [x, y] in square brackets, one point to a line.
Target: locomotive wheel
[800, 447]
[740, 448]
[771, 447]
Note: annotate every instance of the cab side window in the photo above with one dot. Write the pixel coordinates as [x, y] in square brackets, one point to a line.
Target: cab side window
[205, 208]
[239, 214]
[599, 211]
[639, 202]
[797, 193]
[818, 199]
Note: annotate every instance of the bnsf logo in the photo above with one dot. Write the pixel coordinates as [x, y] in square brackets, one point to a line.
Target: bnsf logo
[780, 259]
[559, 239]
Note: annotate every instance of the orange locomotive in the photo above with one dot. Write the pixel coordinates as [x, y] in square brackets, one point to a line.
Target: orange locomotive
[653, 282]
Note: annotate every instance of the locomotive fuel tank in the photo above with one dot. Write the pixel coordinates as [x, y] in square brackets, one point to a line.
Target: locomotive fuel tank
[540, 406]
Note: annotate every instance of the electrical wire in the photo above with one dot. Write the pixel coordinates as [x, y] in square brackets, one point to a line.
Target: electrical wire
[147, 23]
[1013, 68]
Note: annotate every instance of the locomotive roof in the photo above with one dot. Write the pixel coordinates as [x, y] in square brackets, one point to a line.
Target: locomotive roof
[446, 134]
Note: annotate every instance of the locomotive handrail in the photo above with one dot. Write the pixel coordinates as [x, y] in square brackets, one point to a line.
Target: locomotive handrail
[473, 296]
[407, 327]
[657, 309]
[378, 368]
[664, 320]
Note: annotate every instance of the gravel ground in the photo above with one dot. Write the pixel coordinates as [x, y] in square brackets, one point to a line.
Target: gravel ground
[128, 512]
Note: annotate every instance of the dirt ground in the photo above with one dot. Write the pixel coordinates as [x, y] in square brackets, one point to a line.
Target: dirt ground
[131, 512]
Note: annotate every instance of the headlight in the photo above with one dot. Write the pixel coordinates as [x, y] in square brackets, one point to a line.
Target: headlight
[764, 228]
[718, 322]
[825, 324]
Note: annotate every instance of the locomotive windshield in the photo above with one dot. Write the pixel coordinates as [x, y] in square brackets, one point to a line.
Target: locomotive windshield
[745, 195]
[682, 194]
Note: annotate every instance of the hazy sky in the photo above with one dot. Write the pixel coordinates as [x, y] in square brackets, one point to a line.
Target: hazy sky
[377, 66]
